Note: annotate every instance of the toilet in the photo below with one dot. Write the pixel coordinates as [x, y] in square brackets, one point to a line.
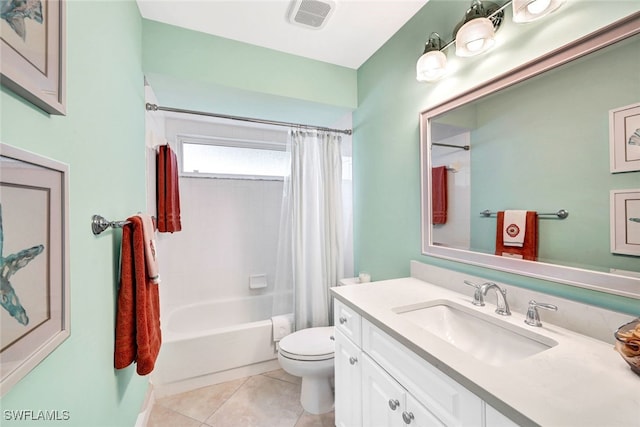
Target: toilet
[309, 353]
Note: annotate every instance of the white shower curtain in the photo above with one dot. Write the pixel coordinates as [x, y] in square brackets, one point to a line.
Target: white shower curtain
[310, 252]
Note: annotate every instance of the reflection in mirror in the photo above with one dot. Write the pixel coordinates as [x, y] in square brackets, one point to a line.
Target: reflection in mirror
[540, 143]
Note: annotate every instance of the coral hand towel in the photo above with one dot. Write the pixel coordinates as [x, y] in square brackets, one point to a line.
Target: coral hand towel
[138, 336]
[529, 249]
[168, 191]
[439, 194]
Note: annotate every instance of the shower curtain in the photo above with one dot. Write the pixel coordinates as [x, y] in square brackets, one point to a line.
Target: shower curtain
[310, 250]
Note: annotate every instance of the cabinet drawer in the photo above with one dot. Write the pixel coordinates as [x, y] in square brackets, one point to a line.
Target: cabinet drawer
[347, 321]
[449, 401]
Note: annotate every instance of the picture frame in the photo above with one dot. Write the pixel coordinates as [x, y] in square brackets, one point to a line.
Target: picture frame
[33, 45]
[625, 222]
[624, 138]
[34, 259]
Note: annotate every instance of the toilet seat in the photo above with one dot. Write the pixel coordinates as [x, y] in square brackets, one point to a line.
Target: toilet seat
[312, 344]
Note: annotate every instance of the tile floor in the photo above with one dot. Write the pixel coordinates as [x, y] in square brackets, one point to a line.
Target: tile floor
[271, 399]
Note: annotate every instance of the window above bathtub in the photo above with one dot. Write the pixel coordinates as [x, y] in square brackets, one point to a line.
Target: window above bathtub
[232, 158]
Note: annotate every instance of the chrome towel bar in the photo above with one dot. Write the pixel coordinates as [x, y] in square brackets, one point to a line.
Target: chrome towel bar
[562, 214]
[99, 224]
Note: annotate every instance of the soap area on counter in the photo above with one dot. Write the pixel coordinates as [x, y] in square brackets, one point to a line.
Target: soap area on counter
[417, 351]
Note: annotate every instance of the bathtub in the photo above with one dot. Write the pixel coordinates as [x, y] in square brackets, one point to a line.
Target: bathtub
[207, 338]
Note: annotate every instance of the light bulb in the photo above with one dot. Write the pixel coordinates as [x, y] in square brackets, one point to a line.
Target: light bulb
[431, 66]
[530, 10]
[475, 45]
[538, 6]
[475, 37]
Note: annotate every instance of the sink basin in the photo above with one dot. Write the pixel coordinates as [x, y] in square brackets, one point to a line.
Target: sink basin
[486, 338]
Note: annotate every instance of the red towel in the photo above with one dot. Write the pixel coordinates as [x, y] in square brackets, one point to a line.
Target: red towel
[529, 249]
[138, 335]
[439, 194]
[168, 191]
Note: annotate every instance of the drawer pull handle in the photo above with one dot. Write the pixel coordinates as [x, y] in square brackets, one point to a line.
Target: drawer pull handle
[407, 417]
[343, 320]
[353, 360]
[393, 404]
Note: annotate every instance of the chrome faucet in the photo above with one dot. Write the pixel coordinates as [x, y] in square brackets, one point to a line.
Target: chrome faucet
[478, 298]
[501, 298]
[533, 317]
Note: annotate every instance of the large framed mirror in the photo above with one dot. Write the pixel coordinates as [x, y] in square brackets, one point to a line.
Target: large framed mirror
[536, 139]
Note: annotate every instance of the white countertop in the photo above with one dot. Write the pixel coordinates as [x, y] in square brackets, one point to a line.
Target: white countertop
[579, 382]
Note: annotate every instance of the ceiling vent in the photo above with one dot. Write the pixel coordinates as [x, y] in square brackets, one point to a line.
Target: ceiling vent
[311, 13]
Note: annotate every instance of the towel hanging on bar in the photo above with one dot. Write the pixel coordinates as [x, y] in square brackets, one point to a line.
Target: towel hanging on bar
[561, 214]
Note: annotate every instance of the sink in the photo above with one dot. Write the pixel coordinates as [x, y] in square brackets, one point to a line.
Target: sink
[486, 338]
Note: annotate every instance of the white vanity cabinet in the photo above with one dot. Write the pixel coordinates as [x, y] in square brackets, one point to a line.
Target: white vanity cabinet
[443, 400]
[348, 367]
[386, 403]
[379, 382]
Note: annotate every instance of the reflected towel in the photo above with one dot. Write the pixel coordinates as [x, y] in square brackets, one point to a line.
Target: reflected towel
[439, 194]
[514, 228]
[529, 249]
[137, 336]
[282, 326]
[167, 191]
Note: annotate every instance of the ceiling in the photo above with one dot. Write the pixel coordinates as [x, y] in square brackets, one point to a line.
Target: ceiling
[354, 31]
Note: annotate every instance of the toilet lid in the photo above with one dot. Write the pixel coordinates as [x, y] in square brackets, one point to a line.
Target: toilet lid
[309, 344]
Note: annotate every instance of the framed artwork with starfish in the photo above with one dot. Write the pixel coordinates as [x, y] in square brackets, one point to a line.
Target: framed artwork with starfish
[34, 284]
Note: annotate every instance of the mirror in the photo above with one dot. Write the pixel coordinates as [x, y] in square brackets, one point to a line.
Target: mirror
[536, 139]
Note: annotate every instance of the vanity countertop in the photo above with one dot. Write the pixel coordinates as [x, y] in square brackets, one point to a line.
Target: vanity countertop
[579, 382]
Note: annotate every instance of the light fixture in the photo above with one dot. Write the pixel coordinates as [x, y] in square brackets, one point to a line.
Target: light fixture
[476, 33]
[530, 10]
[433, 63]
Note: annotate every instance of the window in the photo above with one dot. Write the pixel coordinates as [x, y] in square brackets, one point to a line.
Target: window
[233, 158]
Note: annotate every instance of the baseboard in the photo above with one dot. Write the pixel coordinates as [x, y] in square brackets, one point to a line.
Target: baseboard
[147, 406]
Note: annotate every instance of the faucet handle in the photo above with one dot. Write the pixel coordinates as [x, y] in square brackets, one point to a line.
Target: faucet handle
[478, 298]
[533, 318]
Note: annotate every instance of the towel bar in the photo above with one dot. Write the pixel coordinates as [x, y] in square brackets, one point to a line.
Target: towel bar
[462, 147]
[562, 214]
[99, 224]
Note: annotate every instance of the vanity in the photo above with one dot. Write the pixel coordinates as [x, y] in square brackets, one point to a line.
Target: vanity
[409, 352]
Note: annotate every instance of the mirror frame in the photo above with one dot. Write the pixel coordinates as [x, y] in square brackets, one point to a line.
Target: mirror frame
[589, 279]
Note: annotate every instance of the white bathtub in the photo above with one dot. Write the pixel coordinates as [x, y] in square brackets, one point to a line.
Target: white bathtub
[215, 336]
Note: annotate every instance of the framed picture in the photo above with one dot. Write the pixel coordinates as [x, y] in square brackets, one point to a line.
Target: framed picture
[32, 63]
[625, 222]
[34, 261]
[624, 138]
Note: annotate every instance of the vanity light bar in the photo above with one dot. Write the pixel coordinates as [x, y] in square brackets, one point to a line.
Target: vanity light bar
[561, 214]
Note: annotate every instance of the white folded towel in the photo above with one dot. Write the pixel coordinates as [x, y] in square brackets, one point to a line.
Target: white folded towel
[515, 223]
[282, 326]
[150, 249]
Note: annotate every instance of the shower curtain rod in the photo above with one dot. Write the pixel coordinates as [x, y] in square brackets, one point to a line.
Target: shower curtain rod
[154, 107]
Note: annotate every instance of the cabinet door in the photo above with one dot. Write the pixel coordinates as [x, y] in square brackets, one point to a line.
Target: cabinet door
[383, 399]
[348, 382]
[416, 415]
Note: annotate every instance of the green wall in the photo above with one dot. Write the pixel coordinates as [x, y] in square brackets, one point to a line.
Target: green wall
[386, 136]
[102, 140]
[197, 71]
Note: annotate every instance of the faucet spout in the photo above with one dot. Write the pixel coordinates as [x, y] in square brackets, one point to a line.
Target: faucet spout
[501, 298]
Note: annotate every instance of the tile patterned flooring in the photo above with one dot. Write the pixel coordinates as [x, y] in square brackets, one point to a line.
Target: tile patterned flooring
[271, 399]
